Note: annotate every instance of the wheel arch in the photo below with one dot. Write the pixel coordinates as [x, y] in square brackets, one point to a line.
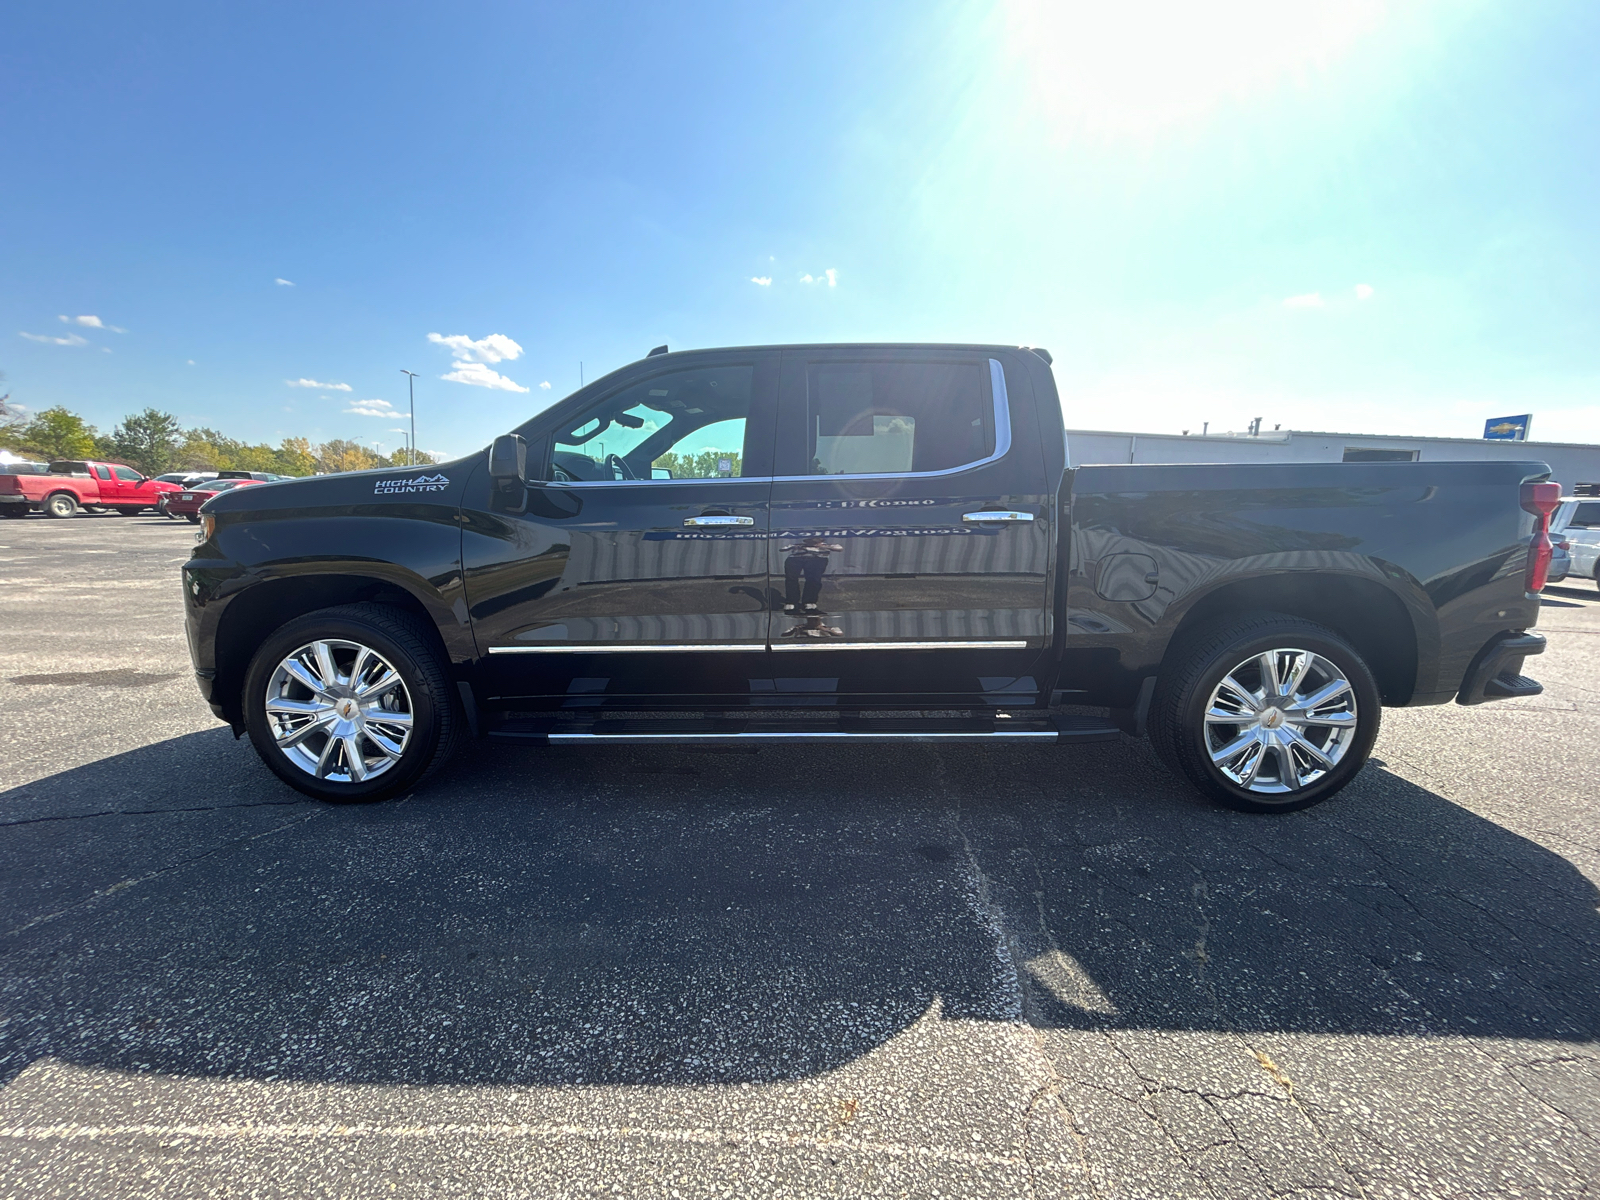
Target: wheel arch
[1361, 610]
[251, 616]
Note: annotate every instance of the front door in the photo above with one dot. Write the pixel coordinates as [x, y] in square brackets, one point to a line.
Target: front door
[637, 570]
[911, 529]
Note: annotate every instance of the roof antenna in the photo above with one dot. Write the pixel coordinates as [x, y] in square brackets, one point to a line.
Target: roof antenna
[656, 351]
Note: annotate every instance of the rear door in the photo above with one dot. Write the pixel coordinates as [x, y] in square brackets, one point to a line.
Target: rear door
[911, 528]
[637, 570]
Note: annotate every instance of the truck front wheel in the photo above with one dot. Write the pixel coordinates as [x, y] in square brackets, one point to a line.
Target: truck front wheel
[351, 704]
[59, 505]
[1269, 714]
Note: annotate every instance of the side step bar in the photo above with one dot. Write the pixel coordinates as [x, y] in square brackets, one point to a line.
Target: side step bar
[808, 735]
[723, 732]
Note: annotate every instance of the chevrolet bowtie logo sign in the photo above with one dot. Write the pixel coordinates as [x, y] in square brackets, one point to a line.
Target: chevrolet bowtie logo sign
[422, 483]
[1508, 429]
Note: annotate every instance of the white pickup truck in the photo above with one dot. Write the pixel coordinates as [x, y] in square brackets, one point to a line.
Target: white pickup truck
[1577, 522]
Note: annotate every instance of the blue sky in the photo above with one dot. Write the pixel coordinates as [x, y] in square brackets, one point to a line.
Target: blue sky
[1357, 217]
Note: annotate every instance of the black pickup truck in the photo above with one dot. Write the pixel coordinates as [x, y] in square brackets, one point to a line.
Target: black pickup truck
[857, 543]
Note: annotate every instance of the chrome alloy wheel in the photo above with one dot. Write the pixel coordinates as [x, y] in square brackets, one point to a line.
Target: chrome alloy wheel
[1280, 721]
[339, 711]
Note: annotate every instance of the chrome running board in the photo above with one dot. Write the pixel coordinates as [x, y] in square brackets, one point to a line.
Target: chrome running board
[641, 739]
[564, 729]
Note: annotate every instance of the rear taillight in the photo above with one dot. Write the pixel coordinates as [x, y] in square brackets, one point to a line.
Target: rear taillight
[1541, 499]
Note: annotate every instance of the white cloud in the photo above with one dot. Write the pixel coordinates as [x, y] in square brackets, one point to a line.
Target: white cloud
[321, 387]
[497, 347]
[373, 408]
[471, 356]
[479, 375]
[829, 277]
[283, 282]
[93, 323]
[191, 362]
[1309, 300]
[761, 280]
[833, 277]
[545, 386]
[1365, 291]
[71, 339]
[807, 279]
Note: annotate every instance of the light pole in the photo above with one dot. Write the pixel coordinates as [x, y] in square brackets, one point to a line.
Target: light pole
[411, 390]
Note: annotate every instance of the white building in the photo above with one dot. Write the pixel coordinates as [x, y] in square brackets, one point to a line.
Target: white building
[1573, 465]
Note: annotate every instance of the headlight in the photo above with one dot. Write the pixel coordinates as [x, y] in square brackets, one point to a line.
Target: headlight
[208, 526]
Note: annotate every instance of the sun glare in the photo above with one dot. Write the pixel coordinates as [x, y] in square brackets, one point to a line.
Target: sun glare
[1136, 66]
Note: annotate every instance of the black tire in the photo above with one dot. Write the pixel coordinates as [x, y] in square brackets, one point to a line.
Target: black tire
[60, 505]
[407, 644]
[125, 511]
[1179, 732]
[13, 510]
[192, 518]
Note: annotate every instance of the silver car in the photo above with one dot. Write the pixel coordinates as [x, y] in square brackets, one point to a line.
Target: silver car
[1577, 522]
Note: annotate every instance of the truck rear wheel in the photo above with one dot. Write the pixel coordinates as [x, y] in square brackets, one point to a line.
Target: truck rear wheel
[1267, 714]
[59, 505]
[351, 704]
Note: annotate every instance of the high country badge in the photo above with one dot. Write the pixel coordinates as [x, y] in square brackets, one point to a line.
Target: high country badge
[422, 483]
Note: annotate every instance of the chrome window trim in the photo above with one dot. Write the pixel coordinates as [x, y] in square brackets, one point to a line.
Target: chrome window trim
[822, 644]
[609, 483]
[1002, 446]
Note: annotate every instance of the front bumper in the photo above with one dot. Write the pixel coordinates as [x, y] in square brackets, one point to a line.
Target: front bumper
[1496, 672]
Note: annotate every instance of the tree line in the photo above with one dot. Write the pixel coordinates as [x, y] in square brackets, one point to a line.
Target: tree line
[155, 443]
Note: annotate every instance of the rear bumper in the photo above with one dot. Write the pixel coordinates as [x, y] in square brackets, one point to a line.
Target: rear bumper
[5, 499]
[1496, 672]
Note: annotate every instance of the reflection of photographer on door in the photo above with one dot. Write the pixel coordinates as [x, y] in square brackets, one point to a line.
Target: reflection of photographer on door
[809, 561]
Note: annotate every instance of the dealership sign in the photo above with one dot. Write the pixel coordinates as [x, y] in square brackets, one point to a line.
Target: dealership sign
[1508, 429]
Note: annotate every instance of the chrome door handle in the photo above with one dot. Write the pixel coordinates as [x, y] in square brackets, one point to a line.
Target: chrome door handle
[1007, 515]
[719, 519]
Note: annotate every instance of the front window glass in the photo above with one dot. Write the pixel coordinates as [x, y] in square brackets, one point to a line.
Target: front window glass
[1586, 514]
[895, 418]
[679, 425]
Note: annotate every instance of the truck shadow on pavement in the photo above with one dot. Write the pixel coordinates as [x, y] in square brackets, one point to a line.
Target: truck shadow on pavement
[657, 916]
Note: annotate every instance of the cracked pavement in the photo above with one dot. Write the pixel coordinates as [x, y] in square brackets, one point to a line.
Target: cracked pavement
[874, 971]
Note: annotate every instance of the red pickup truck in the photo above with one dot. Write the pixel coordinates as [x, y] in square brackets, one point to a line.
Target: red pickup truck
[70, 485]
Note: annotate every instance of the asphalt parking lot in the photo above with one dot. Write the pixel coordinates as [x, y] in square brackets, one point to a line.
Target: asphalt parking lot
[844, 972]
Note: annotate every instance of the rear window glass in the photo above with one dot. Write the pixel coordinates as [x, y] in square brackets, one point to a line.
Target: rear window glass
[1587, 513]
[895, 418]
